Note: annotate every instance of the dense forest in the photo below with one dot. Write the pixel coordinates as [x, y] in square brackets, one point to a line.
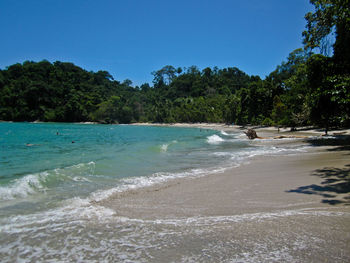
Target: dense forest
[307, 89]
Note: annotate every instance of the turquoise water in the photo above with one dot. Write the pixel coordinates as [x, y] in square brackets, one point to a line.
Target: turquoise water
[52, 176]
[45, 163]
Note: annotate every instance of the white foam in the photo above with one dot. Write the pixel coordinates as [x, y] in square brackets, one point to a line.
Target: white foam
[70, 211]
[77, 209]
[37, 183]
[214, 139]
[224, 133]
[134, 183]
[80, 179]
[211, 220]
[91, 231]
[22, 187]
[164, 147]
[246, 154]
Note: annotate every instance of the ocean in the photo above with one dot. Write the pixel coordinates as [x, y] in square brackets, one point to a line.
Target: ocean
[52, 176]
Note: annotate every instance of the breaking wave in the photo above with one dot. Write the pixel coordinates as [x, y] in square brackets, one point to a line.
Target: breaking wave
[40, 182]
[164, 147]
[214, 139]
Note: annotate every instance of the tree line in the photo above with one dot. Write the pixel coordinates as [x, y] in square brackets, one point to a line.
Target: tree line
[307, 89]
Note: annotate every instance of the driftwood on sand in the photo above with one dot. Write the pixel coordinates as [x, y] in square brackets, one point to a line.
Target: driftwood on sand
[251, 134]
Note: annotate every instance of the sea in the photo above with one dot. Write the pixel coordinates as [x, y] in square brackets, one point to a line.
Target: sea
[54, 175]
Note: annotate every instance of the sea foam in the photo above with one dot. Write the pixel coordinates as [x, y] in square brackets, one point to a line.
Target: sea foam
[40, 182]
[164, 147]
[214, 139]
[224, 133]
[23, 187]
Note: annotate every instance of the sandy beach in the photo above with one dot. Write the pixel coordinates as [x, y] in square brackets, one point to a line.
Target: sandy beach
[187, 195]
[310, 180]
[291, 208]
[317, 178]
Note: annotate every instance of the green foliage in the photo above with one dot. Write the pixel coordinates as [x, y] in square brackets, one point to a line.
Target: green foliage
[267, 122]
[328, 77]
[330, 16]
[52, 92]
[306, 89]
[279, 112]
[329, 93]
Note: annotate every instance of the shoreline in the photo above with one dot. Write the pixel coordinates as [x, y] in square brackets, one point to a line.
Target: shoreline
[308, 179]
[268, 130]
[285, 208]
[264, 184]
[291, 204]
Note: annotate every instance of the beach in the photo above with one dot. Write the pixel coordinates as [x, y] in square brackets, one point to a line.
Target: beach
[291, 208]
[265, 184]
[174, 194]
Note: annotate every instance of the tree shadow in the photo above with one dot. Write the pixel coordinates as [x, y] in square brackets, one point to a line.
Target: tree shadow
[336, 181]
[338, 142]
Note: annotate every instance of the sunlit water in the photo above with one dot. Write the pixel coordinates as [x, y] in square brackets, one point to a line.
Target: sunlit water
[52, 175]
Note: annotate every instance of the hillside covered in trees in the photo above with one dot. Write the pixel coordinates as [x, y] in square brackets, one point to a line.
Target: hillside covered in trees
[306, 89]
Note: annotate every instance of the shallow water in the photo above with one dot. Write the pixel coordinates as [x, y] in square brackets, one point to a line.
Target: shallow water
[98, 235]
[52, 176]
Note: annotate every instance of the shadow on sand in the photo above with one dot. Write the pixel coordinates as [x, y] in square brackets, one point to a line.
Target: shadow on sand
[335, 188]
[336, 181]
[338, 143]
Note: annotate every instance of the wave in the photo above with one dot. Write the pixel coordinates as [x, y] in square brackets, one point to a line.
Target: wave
[164, 147]
[249, 153]
[260, 216]
[224, 133]
[214, 139]
[134, 183]
[83, 229]
[23, 187]
[88, 208]
[77, 210]
[40, 182]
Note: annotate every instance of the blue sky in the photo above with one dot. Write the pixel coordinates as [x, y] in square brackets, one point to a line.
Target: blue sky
[132, 38]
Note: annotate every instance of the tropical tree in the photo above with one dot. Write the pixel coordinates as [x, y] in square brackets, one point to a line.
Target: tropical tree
[330, 16]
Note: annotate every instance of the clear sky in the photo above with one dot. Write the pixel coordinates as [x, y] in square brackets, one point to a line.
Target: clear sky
[132, 38]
